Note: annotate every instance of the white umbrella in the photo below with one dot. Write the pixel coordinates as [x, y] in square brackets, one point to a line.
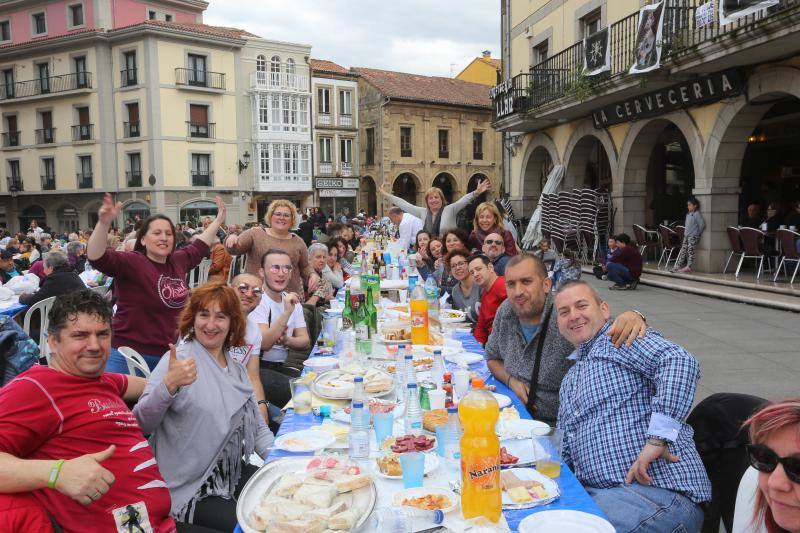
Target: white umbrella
[533, 234]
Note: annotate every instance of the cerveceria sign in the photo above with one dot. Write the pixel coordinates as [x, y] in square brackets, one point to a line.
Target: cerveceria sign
[697, 91]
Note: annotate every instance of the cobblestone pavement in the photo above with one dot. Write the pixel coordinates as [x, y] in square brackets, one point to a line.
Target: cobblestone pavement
[741, 347]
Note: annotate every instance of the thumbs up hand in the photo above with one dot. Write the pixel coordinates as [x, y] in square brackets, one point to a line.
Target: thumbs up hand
[181, 372]
[84, 479]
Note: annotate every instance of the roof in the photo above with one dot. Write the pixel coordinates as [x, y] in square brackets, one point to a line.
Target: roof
[434, 89]
[490, 61]
[36, 40]
[323, 65]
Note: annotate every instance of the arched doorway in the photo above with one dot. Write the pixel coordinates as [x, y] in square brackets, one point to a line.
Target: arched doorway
[369, 196]
[446, 182]
[68, 219]
[31, 213]
[406, 186]
[670, 177]
[195, 211]
[135, 210]
[535, 173]
[588, 166]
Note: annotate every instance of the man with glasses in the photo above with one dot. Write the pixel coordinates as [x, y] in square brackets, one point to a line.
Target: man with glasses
[495, 249]
[623, 413]
[494, 294]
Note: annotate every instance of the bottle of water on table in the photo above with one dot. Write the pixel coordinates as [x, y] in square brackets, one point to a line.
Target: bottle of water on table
[402, 519]
[358, 440]
[400, 374]
[360, 397]
[413, 416]
[438, 370]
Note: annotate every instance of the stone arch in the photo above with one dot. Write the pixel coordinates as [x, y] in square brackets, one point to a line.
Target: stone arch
[369, 195]
[540, 149]
[408, 186]
[578, 152]
[447, 182]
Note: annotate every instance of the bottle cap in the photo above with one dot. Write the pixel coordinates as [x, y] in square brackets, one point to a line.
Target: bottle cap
[437, 352]
[358, 379]
[438, 516]
[412, 385]
[409, 356]
[401, 346]
[447, 376]
[452, 409]
[358, 405]
[477, 383]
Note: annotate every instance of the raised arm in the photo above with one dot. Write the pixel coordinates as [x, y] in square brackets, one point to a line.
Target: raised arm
[465, 200]
[210, 232]
[419, 212]
[108, 212]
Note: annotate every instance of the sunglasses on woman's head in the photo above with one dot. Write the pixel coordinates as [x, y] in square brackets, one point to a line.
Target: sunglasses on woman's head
[244, 288]
[765, 460]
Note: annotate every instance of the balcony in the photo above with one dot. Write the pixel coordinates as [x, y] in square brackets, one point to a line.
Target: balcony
[82, 132]
[48, 182]
[534, 99]
[279, 81]
[14, 184]
[325, 168]
[46, 136]
[128, 77]
[202, 130]
[11, 138]
[199, 79]
[46, 86]
[345, 169]
[202, 179]
[130, 129]
[276, 182]
[133, 178]
[324, 119]
[346, 121]
[85, 180]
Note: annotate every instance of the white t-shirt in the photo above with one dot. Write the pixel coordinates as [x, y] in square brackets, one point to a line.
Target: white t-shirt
[268, 312]
[252, 343]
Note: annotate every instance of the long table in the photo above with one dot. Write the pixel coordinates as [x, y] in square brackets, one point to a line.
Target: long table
[573, 496]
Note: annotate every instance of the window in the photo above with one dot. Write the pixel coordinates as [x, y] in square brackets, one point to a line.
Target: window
[325, 150]
[261, 63]
[39, 23]
[197, 70]
[83, 131]
[444, 150]
[201, 170]
[8, 83]
[540, 52]
[275, 70]
[590, 23]
[76, 15]
[5, 30]
[370, 146]
[85, 172]
[346, 151]
[168, 17]
[82, 79]
[48, 174]
[405, 142]
[134, 173]
[129, 71]
[323, 101]
[345, 103]
[11, 136]
[151, 15]
[13, 173]
[43, 70]
[198, 121]
[132, 125]
[477, 145]
[46, 134]
[263, 150]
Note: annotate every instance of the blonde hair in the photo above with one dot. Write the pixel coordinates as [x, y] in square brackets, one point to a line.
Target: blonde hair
[435, 190]
[483, 207]
[280, 203]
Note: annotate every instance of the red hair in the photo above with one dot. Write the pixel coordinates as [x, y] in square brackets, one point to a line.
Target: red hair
[764, 423]
[225, 297]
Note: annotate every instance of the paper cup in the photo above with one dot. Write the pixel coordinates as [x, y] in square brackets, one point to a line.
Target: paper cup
[436, 398]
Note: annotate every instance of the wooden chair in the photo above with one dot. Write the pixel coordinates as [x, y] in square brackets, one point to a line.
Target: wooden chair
[42, 307]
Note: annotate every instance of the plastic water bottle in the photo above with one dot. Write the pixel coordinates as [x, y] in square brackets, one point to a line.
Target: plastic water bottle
[413, 416]
[359, 397]
[432, 294]
[411, 371]
[401, 519]
[412, 282]
[438, 370]
[400, 374]
[358, 440]
[452, 442]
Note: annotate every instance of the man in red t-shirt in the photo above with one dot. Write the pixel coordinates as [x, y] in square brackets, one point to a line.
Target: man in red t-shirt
[494, 293]
[67, 437]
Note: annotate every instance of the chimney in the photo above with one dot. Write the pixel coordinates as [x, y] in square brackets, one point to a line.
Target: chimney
[487, 54]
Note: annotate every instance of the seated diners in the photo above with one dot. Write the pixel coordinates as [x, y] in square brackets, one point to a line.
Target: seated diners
[201, 414]
[67, 437]
[494, 294]
[547, 254]
[465, 294]
[59, 279]
[488, 220]
[333, 269]
[494, 249]
[775, 453]
[623, 414]
[317, 258]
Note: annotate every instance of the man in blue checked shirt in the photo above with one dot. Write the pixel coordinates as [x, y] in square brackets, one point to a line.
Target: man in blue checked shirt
[622, 411]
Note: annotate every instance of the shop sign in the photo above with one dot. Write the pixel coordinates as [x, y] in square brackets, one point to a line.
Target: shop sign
[503, 98]
[700, 90]
[337, 183]
[338, 193]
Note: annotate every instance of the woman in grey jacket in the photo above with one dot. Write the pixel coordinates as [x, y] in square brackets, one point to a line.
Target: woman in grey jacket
[694, 226]
[437, 216]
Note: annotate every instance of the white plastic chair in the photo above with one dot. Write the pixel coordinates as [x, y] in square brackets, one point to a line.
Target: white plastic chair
[237, 266]
[202, 271]
[745, 504]
[44, 308]
[135, 361]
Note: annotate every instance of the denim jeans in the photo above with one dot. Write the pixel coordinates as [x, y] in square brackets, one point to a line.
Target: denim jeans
[646, 509]
[116, 362]
[618, 273]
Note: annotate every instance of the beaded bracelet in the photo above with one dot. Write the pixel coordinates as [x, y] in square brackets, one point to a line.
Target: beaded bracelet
[54, 472]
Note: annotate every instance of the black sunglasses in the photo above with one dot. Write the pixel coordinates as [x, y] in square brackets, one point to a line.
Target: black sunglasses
[765, 460]
[492, 241]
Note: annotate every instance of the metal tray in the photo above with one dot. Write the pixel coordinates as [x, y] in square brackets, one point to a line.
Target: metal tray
[317, 389]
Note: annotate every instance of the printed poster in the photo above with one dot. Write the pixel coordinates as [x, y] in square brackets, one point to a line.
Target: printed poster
[597, 52]
[647, 50]
[731, 10]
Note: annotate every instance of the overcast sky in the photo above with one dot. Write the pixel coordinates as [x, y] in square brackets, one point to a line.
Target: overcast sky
[432, 37]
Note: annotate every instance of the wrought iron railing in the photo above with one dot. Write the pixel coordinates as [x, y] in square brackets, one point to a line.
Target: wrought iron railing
[129, 77]
[204, 130]
[201, 179]
[561, 74]
[49, 85]
[48, 182]
[85, 180]
[131, 129]
[45, 135]
[10, 138]
[82, 132]
[14, 183]
[133, 178]
[200, 78]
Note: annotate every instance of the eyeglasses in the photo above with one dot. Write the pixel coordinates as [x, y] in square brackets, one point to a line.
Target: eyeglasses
[244, 288]
[282, 215]
[460, 264]
[765, 460]
[492, 241]
[287, 269]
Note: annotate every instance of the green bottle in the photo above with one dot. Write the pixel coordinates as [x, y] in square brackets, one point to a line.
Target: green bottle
[347, 312]
[361, 325]
[372, 313]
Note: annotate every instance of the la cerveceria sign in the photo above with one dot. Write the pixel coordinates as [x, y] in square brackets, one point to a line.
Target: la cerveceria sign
[704, 89]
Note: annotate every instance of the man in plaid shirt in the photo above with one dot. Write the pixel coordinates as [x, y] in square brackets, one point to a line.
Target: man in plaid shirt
[622, 411]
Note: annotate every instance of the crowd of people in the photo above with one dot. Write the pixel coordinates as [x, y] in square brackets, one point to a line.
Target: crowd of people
[88, 446]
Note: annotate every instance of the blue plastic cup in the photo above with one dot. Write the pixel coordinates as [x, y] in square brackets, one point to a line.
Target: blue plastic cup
[441, 439]
[383, 422]
[413, 465]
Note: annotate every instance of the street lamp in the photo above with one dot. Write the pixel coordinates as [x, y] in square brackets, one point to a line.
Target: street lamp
[246, 163]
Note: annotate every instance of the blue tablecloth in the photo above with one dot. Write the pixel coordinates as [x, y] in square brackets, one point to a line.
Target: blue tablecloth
[573, 495]
[13, 310]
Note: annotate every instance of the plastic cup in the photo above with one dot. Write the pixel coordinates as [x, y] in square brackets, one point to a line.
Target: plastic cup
[383, 423]
[441, 439]
[413, 465]
[436, 398]
[301, 397]
[547, 450]
[461, 382]
[403, 294]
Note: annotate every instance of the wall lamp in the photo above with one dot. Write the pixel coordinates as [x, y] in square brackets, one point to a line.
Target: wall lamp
[246, 163]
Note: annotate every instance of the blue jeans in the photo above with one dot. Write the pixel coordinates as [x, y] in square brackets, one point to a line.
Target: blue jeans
[646, 509]
[116, 362]
[618, 273]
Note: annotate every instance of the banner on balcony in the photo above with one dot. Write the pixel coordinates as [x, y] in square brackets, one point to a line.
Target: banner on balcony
[704, 14]
[597, 52]
[731, 10]
[647, 49]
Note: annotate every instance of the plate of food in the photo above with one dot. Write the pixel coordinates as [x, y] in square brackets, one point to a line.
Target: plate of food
[433, 419]
[388, 466]
[395, 334]
[409, 443]
[376, 405]
[427, 498]
[502, 399]
[426, 350]
[338, 384]
[516, 453]
[518, 429]
[302, 494]
[304, 441]
[464, 358]
[421, 363]
[523, 488]
[560, 520]
[449, 316]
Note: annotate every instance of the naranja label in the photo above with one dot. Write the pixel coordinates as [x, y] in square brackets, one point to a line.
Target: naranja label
[419, 319]
[483, 471]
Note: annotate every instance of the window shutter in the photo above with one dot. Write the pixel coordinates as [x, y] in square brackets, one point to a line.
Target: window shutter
[198, 114]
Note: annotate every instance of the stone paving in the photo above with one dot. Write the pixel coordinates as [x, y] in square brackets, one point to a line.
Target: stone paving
[741, 347]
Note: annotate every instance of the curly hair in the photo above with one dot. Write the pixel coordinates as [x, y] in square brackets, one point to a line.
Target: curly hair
[225, 297]
[280, 203]
[67, 307]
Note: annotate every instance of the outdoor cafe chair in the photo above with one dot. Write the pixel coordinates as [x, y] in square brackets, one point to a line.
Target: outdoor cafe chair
[788, 241]
[667, 236]
[135, 361]
[42, 307]
[640, 234]
[751, 242]
[735, 240]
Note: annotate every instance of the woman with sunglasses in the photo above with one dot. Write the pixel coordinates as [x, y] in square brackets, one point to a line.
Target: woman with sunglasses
[488, 220]
[465, 294]
[280, 218]
[775, 453]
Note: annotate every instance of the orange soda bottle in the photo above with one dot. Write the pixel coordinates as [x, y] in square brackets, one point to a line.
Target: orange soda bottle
[478, 412]
[419, 316]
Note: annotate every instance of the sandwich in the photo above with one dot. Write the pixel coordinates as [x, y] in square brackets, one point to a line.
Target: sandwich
[343, 521]
[347, 483]
[316, 496]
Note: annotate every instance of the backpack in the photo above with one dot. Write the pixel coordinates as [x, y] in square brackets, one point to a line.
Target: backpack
[18, 352]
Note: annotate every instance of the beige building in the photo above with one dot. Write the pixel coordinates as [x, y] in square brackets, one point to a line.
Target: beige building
[719, 119]
[422, 131]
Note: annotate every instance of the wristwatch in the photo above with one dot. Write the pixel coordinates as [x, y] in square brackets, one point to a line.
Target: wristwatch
[641, 315]
[661, 443]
